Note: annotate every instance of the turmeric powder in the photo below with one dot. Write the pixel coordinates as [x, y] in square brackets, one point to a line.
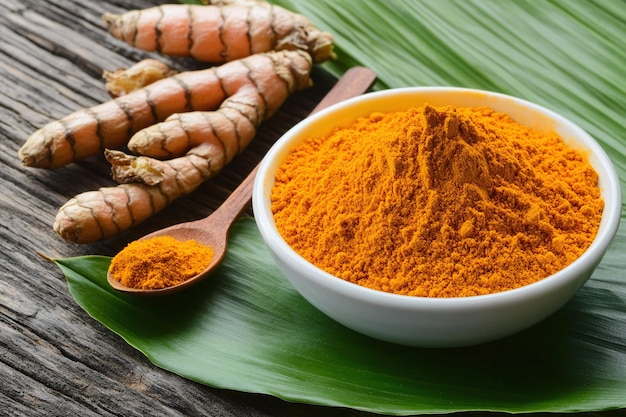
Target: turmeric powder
[437, 202]
[159, 262]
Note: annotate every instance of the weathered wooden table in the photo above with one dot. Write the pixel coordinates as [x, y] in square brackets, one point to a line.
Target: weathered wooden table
[55, 360]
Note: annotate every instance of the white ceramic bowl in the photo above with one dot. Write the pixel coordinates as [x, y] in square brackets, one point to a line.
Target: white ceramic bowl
[435, 322]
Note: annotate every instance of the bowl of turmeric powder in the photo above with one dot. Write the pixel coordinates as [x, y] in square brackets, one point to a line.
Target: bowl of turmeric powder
[437, 216]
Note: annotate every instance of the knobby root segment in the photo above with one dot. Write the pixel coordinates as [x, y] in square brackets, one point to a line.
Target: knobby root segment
[198, 144]
[139, 75]
[225, 31]
[109, 125]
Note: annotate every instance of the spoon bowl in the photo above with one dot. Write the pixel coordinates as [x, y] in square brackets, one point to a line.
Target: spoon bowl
[207, 231]
[213, 230]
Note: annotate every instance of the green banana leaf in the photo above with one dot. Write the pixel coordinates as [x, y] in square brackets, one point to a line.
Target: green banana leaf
[248, 330]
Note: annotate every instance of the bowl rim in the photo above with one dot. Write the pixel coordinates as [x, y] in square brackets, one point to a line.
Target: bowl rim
[611, 214]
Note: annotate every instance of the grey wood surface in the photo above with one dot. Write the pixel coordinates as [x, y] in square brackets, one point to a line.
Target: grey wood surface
[55, 360]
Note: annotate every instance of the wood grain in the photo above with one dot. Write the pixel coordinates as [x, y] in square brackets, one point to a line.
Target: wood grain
[55, 360]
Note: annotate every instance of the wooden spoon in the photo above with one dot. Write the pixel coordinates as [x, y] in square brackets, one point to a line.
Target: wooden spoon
[213, 230]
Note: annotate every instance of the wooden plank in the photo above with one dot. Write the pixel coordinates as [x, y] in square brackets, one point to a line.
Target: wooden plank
[55, 360]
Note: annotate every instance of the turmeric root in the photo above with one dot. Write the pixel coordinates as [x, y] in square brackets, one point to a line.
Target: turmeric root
[88, 132]
[220, 33]
[139, 75]
[206, 140]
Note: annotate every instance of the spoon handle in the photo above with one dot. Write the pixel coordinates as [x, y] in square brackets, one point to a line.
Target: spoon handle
[354, 82]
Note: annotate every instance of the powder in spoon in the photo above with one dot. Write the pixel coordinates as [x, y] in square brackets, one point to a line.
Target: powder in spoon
[159, 262]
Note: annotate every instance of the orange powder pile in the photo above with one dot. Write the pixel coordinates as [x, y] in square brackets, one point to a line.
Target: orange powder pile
[437, 202]
[159, 262]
